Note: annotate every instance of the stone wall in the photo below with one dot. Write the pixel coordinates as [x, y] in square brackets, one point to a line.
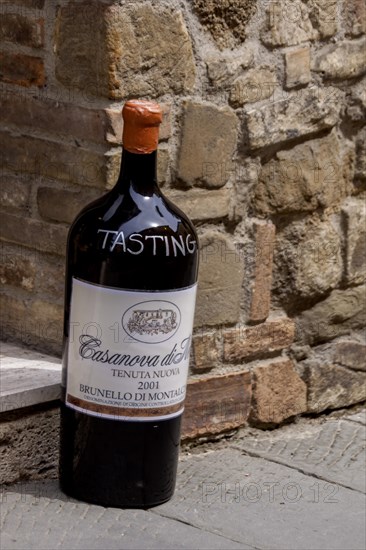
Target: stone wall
[263, 145]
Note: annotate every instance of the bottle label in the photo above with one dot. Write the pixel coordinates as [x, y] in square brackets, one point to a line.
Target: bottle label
[128, 352]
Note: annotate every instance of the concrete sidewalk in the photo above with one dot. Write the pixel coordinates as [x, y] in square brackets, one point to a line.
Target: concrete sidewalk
[300, 487]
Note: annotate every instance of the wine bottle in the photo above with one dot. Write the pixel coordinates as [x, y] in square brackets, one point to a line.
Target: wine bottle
[131, 275]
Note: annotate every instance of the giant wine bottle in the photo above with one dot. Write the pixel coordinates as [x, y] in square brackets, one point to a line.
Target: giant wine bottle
[132, 264]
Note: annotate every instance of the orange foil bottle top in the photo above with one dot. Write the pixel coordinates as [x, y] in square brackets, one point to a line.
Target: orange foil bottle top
[141, 121]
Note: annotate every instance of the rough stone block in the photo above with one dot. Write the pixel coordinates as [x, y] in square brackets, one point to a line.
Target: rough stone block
[260, 272]
[248, 342]
[223, 68]
[23, 30]
[287, 23]
[278, 392]
[227, 21]
[43, 157]
[354, 12]
[298, 67]
[36, 323]
[342, 60]
[354, 220]
[308, 260]
[24, 70]
[207, 159]
[314, 174]
[118, 51]
[206, 352]
[360, 167]
[331, 386]
[324, 17]
[302, 113]
[216, 404]
[256, 85]
[350, 353]
[62, 205]
[341, 312]
[14, 193]
[219, 281]
[29, 447]
[34, 233]
[202, 204]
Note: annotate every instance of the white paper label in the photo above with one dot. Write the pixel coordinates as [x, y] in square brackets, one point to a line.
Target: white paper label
[128, 352]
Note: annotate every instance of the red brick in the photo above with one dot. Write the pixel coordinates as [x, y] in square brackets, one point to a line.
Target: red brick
[56, 160]
[34, 234]
[278, 392]
[62, 205]
[24, 70]
[260, 289]
[248, 342]
[22, 30]
[14, 193]
[60, 118]
[216, 404]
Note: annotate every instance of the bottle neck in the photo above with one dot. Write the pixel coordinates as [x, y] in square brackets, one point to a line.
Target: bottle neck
[138, 173]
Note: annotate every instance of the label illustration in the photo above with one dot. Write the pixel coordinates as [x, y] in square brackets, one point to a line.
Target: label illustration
[128, 351]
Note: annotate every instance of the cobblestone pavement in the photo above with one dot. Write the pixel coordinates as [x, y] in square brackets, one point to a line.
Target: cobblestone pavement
[300, 487]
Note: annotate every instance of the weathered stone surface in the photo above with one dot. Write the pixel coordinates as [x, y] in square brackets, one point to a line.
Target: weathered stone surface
[298, 67]
[118, 51]
[29, 447]
[341, 312]
[287, 23]
[259, 272]
[216, 404]
[308, 260]
[22, 30]
[355, 17]
[62, 119]
[354, 219]
[341, 61]
[33, 323]
[219, 280]
[224, 68]
[331, 386]
[14, 192]
[17, 271]
[226, 20]
[301, 113]
[350, 353]
[201, 204]
[278, 392]
[62, 205]
[208, 158]
[248, 342]
[324, 17]
[360, 167]
[256, 85]
[315, 174]
[34, 233]
[206, 351]
[24, 70]
[43, 157]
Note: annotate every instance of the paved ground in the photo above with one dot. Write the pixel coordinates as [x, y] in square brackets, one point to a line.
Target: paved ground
[300, 487]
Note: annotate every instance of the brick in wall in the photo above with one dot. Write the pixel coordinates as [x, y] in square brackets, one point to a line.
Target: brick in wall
[24, 70]
[23, 30]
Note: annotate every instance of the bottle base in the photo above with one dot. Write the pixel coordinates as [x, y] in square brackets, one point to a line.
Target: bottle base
[114, 503]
